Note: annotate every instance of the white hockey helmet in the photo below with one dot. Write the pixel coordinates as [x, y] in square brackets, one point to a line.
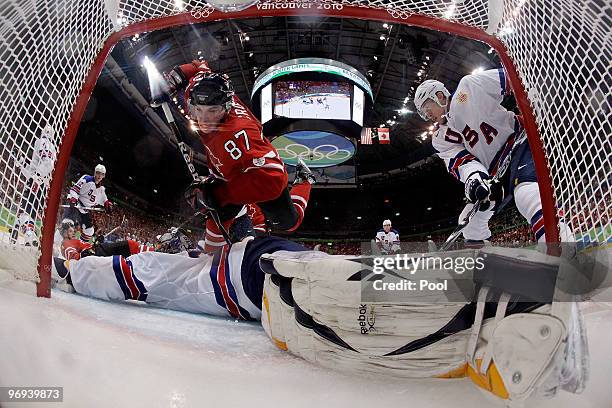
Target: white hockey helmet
[427, 90]
[100, 169]
[387, 222]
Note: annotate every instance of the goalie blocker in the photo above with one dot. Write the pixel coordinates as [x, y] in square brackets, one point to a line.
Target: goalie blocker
[505, 342]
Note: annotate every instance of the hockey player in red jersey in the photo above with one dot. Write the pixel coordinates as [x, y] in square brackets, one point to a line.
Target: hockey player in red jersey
[245, 167]
[74, 249]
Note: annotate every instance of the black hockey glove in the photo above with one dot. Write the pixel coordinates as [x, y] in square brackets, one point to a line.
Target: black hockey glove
[199, 194]
[175, 78]
[477, 187]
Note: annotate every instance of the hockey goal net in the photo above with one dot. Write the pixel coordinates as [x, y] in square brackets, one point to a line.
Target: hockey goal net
[557, 54]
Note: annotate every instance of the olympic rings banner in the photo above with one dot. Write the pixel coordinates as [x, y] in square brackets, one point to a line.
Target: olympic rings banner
[317, 148]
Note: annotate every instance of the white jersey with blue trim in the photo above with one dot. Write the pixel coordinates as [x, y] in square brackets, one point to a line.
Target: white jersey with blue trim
[88, 194]
[479, 132]
[389, 241]
[208, 284]
[41, 165]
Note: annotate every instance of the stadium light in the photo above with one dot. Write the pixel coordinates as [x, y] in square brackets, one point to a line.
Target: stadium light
[326, 218]
[359, 217]
[404, 110]
[397, 214]
[451, 10]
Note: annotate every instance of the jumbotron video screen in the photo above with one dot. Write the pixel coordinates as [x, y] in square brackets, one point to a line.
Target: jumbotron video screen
[313, 100]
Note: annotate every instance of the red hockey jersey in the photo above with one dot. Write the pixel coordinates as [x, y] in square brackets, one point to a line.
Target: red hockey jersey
[239, 154]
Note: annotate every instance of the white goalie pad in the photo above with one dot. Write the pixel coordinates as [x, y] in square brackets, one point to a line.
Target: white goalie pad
[313, 309]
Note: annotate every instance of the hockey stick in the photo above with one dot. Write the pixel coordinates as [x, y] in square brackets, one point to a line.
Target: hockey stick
[123, 222]
[159, 96]
[468, 217]
[82, 208]
[187, 158]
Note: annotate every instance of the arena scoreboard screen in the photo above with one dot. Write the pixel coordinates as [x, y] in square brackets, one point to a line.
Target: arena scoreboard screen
[312, 95]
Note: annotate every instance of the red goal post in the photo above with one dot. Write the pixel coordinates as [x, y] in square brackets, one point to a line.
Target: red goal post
[516, 30]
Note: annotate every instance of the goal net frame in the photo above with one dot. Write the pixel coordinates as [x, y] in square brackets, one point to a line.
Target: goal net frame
[196, 11]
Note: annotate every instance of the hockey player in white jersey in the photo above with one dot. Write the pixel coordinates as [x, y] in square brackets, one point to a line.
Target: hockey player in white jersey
[86, 193]
[37, 176]
[387, 239]
[475, 135]
[310, 304]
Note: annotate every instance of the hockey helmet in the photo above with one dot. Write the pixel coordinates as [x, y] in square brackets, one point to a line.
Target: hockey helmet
[66, 224]
[209, 88]
[174, 241]
[100, 168]
[428, 90]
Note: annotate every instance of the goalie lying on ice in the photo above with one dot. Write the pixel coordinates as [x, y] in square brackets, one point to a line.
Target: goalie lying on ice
[310, 304]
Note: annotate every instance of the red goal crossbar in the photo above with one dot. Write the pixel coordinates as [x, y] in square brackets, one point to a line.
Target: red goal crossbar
[341, 11]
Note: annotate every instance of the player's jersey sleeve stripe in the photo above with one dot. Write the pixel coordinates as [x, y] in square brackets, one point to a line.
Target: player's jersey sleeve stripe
[505, 150]
[276, 166]
[130, 285]
[120, 278]
[537, 224]
[460, 159]
[230, 287]
[213, 278]
[128, 268]
[503, 82]
[231, 306]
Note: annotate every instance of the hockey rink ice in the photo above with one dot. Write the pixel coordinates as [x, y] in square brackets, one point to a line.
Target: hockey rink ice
[334, 107]
[125, 354]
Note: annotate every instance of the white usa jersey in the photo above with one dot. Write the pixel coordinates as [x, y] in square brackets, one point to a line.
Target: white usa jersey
[43, 158]
[479, 132]
[389, 241]
[208, 284]
[88, 194]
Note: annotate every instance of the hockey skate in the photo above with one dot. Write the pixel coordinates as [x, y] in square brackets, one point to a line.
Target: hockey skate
[303, 173]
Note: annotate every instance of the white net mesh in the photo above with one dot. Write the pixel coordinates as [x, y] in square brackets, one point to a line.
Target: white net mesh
[561, 50]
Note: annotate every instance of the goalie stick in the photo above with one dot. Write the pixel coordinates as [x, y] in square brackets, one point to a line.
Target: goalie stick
[468, 217]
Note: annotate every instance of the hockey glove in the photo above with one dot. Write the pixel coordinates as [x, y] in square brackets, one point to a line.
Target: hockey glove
[199, 194]
[108, 206]
[73, 202]
[175, 79]
[477, 187]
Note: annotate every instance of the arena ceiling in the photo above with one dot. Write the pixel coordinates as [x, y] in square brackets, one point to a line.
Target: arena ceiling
[395, 59]
[390, 56]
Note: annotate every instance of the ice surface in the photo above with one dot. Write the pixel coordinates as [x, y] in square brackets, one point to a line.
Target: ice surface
[118, 355]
